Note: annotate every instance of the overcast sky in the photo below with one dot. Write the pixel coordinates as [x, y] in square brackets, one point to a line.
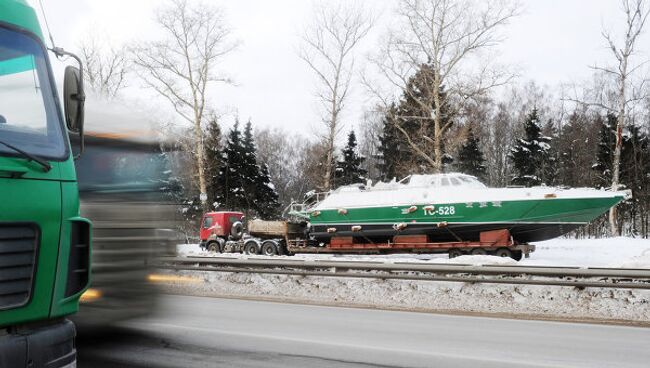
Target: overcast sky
[553, 41]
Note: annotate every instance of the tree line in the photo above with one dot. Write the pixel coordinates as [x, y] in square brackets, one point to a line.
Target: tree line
[536, 142]
[441, 102]
[527, 140]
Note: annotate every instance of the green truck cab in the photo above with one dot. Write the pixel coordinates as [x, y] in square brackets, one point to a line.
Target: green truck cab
[44, 243]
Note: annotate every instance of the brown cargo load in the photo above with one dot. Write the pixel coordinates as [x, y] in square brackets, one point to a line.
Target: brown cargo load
[267, 229]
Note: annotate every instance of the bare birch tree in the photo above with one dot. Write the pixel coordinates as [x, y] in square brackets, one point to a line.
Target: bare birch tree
[443, 41]
[182, 65]
[106, 67]
[623, 84]
[283, 153]
[328, 45]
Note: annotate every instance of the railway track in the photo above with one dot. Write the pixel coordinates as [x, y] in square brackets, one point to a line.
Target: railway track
[516, 275]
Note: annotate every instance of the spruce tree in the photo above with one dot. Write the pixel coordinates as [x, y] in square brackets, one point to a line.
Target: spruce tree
[398, 157]
[470, 157]
[348, 170]
[392, 151]
[550, 159]
[605, 154]
[576, 147]
[266, 200]
[250, 172]
[530, 154]
[634, 174]
[633, 214]
[212, 159]
[232, 184]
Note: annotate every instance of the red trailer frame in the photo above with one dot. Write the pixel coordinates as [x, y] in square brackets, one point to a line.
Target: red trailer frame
[498, 242]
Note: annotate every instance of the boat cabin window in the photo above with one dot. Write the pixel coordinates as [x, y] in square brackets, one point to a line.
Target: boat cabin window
[455, 182]
[444, 182]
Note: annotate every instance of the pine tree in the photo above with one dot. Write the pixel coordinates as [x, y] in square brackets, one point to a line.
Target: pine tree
[576, 146]
[244, 185]
[212, 160]
[392, 151]
[549, 162]
[634, 175]
[348, 170]
[250, 172]
[266, 200]
[232, 184]
[416, 119]
[530, 154]
[633, 214]
[605, 155]
[398, 157]
[470, 157]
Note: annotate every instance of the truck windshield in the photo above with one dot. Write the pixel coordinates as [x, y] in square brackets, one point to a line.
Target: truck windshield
[119, 168]
[29, 119]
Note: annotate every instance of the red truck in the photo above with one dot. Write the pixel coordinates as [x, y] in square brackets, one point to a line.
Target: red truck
[217, 228]
[224, 232]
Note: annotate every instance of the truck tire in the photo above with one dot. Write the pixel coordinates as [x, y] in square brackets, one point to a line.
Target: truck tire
[503, 252]
[237, 230]
[282, 249]
[213, 247]
[453, 253]
[216, 246]
[251, 247]
[517, 255]
[270, 248]
[478, 252]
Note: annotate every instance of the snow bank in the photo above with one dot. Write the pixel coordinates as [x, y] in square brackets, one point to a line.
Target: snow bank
[428, 296]
[607, 252]
[642, 261]
[538, 301]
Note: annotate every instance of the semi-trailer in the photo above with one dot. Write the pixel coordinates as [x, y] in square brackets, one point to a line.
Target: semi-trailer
[124, 189]
[224, 232]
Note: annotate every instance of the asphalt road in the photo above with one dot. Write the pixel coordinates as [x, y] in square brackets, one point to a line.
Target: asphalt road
[210, 332]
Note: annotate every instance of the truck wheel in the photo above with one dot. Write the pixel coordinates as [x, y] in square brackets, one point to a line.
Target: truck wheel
[237, 230]
[282, 249]
[251, 248]
[478, 252]
[269, 248]
[503, 252]
[213, 247]
[517, 255]
[453, 253]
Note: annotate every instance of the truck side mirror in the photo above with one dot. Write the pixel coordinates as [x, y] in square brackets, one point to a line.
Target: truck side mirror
[73, 101]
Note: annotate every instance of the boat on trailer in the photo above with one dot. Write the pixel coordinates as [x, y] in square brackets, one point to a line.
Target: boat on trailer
[454, 207]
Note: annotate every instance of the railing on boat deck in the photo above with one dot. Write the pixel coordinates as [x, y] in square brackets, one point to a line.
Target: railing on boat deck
[310, 201]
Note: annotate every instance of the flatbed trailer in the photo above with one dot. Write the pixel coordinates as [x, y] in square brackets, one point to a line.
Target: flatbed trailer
[497, 243]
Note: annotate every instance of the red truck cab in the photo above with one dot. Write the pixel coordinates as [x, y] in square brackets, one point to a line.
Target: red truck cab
[218, 224]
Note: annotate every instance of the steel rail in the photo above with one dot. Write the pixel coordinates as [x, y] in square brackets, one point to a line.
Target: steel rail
[555, 282]
[551, 276]
[643, 274]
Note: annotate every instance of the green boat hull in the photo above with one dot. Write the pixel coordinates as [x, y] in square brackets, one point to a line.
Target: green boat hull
[527, 220]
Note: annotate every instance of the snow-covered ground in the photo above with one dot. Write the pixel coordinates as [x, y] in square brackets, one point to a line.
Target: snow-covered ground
[524, 300]
[618, 252]
[426, 296]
